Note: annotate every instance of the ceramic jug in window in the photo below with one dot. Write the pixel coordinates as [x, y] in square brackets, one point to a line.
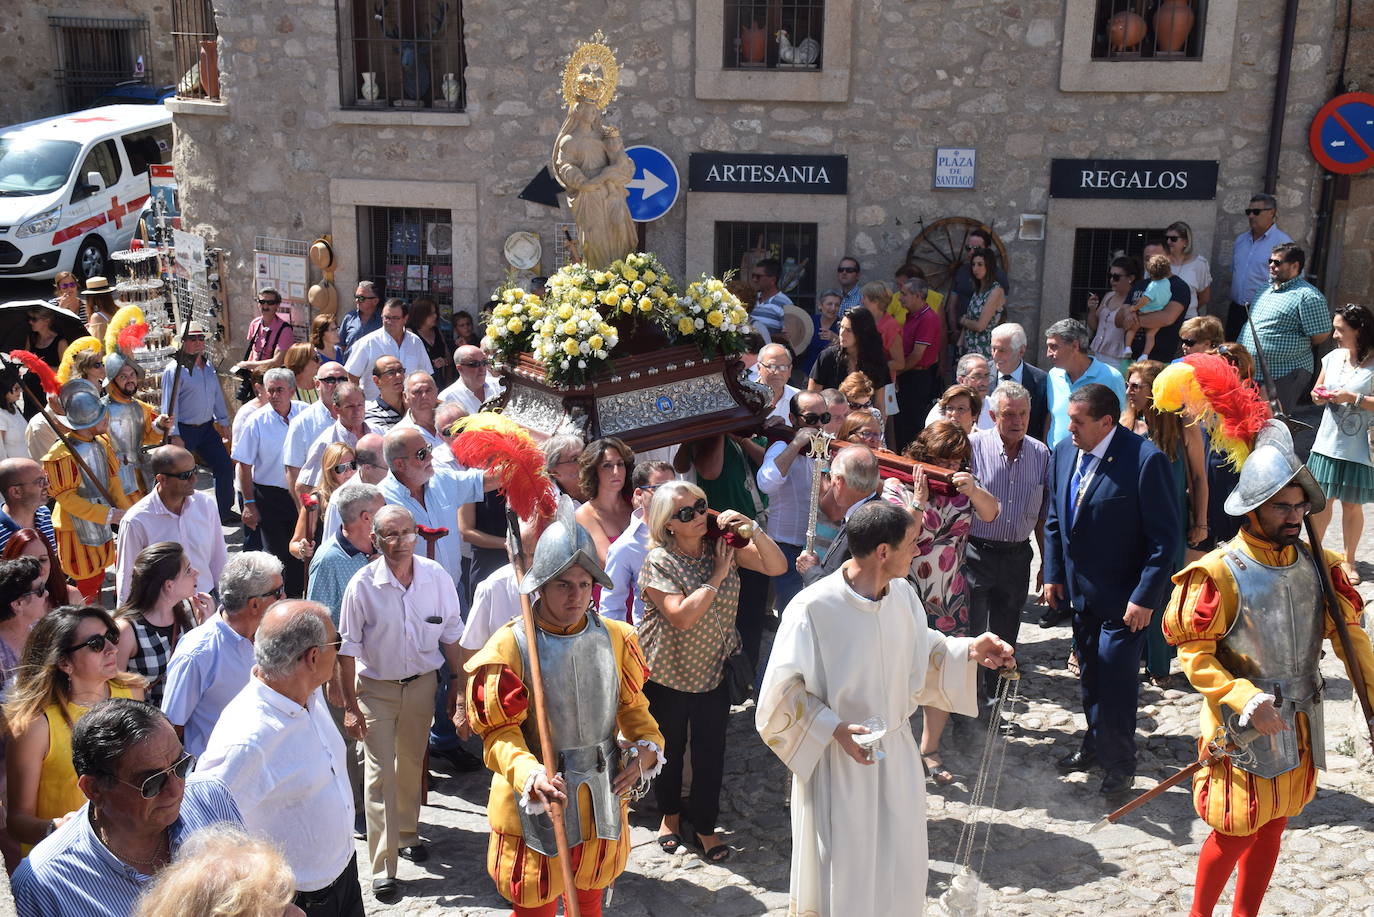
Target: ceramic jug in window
[1173, 22]
[753, 45]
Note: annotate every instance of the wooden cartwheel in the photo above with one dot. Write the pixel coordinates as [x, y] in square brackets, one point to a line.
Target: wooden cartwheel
[938, 249]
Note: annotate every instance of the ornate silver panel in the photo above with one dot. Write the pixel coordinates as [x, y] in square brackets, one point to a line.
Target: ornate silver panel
[658, 404]
[539, 411]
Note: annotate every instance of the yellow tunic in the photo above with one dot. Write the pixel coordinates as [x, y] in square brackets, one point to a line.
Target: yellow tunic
[498, 703]
[80, 561]
[1200, 612]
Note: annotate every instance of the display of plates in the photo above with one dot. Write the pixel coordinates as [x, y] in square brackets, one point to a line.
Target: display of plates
[523, 250]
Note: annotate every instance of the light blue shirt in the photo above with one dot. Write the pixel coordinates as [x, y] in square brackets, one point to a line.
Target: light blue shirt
[1250, 263]
[200, 399]
[302, 431]
[330, 570]
[208, 669]
[262, 445]
[444, 493]
[70, 873]
[1060, 389]
[624, 559]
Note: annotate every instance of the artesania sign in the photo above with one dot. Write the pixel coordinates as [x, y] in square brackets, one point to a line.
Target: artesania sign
[1158, 179]
[762, 173]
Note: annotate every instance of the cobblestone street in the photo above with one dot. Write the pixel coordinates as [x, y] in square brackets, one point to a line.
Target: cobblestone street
[1041, 860]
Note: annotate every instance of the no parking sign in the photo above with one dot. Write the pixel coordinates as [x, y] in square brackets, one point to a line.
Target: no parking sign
[1342, 134]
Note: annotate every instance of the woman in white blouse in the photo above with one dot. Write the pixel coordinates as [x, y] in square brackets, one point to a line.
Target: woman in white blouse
[12, 423]
[1191, 267]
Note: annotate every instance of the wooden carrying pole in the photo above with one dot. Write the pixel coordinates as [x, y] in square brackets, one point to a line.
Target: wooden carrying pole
[1333, 609]
[535, 680]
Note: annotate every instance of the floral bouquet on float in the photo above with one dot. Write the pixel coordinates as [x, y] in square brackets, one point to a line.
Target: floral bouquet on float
[710, 316]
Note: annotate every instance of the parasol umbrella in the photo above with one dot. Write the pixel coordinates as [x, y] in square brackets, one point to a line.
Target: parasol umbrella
[14, 323]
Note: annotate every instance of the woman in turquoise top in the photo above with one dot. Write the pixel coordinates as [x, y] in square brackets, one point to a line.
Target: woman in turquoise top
[986, 305]
[1340, 459]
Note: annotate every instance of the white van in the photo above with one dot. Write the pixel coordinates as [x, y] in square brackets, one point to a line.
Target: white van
[72, 187]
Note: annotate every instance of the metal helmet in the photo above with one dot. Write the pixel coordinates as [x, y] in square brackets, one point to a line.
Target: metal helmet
[561, 545]
[81, 404]
[1271, 467]
[115, 363]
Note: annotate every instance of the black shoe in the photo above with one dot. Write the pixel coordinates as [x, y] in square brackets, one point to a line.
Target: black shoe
[417, 854]
[462, 760]
[230, 518]
[386, 890]
[1116, 782]
[1078, 761]
[1053, 618]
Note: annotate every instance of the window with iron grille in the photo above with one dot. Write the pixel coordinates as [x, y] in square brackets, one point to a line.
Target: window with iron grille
[1127, 30]
[402, 54]
[1094, 250]
[407, 252]
[93, 55]
[773, 34]
[195, 37]
[740, 245]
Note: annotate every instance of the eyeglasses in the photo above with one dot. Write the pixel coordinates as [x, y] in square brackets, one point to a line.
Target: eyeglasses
[181, 475]
[40, 592]
[153, 783]
[1187, 342]
[96, 642]
[776, 367]
[394, 371]
[1275, 262]
[688, 513]
[193, 339]
[1173, 238]
[361, 298]
[331, 380]
[422, 453]
[278, 593]
[66, 286]
[971, 248]
[269, 302]
[844, 269]
[1134, 386]
[40, 481]
[1288, 509]
[400, 538]
[1256, 211]
[810, 418]
[345, 466]
[332, 644]
[872, 435]
[475, 364]
[860, 405]
[1115, 276]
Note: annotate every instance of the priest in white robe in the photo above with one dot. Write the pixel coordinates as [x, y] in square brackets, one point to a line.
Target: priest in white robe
[850, 647]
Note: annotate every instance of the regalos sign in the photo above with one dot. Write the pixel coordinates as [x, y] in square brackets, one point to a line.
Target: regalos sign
[1156, 179]
[762, 173]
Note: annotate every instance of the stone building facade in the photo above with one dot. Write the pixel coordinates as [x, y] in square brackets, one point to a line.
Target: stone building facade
[288, 153]
[78, 37]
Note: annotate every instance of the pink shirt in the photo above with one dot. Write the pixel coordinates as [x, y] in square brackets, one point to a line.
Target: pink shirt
[922, 328]
[263, 339]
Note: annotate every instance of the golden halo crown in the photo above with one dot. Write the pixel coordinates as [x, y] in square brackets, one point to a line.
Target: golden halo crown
[591, 73]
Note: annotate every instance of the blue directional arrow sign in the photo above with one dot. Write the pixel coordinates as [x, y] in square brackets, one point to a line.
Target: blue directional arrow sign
[1342, 134]
[655, 186]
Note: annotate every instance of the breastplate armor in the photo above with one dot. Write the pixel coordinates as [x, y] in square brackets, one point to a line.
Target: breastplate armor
[126, 435]
[1275, 642]
[93, 453]
[581, 696]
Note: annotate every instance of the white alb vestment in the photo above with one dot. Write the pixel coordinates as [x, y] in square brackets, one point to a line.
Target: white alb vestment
[858, 831]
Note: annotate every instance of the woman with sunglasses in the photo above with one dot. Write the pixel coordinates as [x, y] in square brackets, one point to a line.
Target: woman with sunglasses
[338, 465]
[69, 664]
[603, 472]
[1109, 340]
[1189, 266]
[44, 342]
[162, 605]
[65, 294]
[863, 427]
[324, 337]
[302, 360]
[690, 587]
[1340, 459]
[30, 543]
[937, 571]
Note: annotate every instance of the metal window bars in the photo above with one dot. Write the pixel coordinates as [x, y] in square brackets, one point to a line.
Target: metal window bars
[740, 245]
[402, 54]
[1126, 30]
[195, 37]
[407, 252]
[95, 54]
[773, 34]
[1094, 250]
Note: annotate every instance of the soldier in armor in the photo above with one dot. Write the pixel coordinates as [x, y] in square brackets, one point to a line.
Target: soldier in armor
[134, 424]
[82, 517]
[608, 744]
[1249, 621]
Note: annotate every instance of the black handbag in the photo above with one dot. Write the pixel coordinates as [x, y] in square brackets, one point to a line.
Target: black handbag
[739, 677]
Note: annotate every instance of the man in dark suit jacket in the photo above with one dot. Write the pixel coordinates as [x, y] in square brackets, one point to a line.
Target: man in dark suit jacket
[1008, 358]
[853, 482]
[1111, 532]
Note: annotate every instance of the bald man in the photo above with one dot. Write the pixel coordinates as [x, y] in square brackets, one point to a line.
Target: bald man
[24, 490]
[475, 386]
[774, 367]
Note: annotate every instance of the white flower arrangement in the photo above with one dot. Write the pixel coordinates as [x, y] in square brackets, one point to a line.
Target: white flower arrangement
[511, 322]
[710, 316]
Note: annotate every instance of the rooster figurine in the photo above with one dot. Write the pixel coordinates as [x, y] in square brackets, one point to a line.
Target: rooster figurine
[804, 54]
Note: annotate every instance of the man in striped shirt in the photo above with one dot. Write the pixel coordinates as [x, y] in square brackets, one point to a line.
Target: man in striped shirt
[141, 808]
[24, 489]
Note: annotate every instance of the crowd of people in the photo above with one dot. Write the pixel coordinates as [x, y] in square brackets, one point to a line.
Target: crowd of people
[236, 719]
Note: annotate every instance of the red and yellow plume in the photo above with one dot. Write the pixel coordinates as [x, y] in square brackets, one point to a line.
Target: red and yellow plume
[74, 350]
[493, 441]
[34, 364]
[1210, 390]
[124, 326]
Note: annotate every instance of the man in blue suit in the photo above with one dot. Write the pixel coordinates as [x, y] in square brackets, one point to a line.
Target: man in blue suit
[1111, 531]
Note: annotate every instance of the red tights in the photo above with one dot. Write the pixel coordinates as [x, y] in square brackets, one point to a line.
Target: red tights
[1256, 854]
[588, 904]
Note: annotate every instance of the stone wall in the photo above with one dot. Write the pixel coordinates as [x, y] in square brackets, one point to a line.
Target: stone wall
[28, 51]
[1354, 230]
[923, 73]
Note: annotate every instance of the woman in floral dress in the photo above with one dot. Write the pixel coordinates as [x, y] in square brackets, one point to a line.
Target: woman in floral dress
[985, 307]
[938, 568]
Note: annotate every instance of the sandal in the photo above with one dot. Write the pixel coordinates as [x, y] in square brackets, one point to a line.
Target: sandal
[669, 843]
[934, 766]
[1350, 574]
[717, 854]
[1072, 664]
